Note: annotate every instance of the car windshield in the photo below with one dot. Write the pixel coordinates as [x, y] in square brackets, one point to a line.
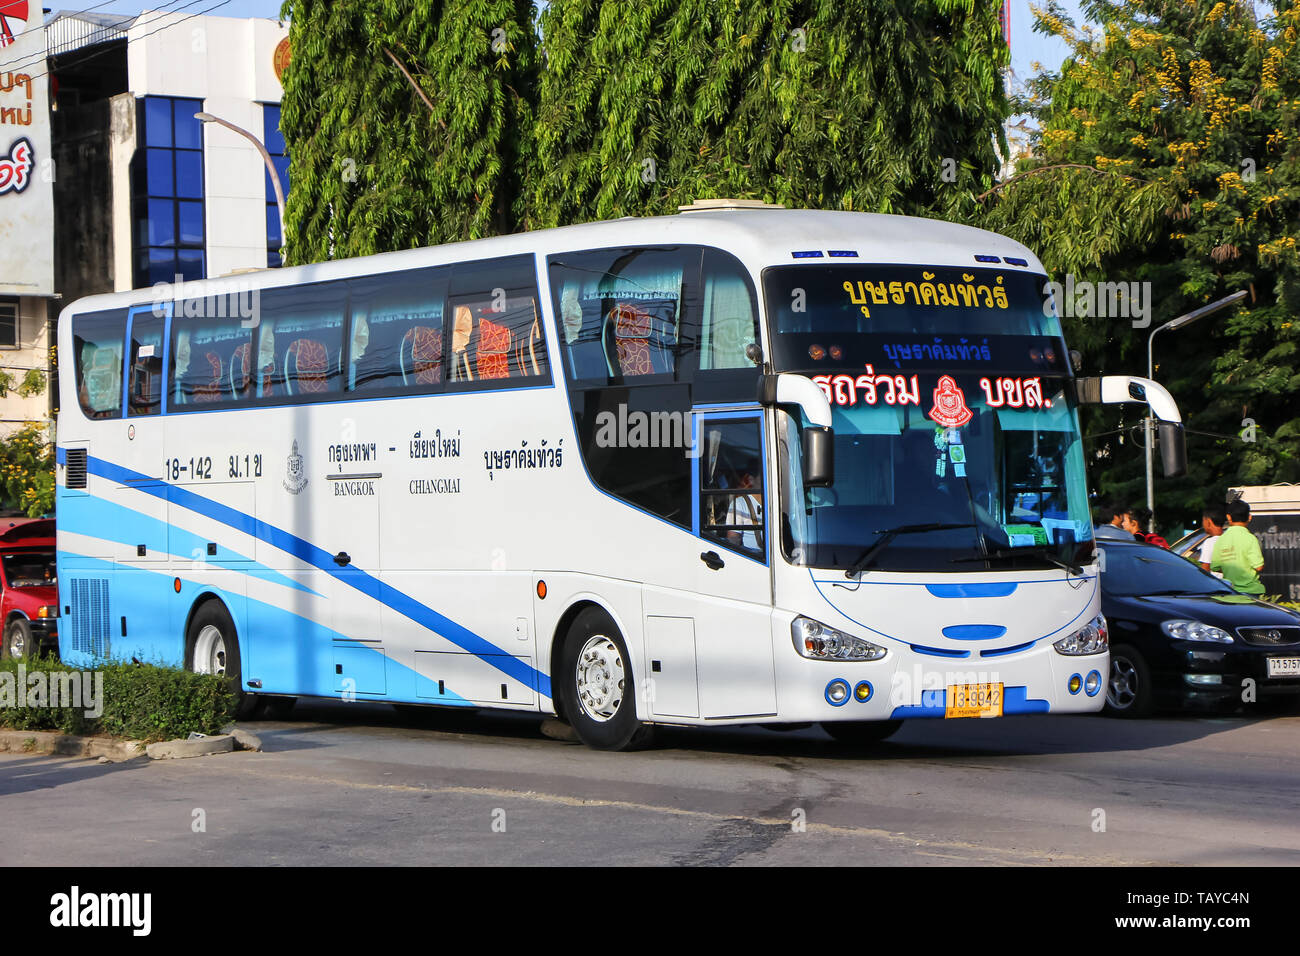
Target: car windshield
[1138, 571]
[29, 569]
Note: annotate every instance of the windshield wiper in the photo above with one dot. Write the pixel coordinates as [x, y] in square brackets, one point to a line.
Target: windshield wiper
[889, 534]
[1043, 551]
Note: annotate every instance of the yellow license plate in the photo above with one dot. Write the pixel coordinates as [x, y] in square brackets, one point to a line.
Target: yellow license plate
[974, 700]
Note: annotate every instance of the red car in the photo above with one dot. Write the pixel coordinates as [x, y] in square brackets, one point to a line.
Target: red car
[29, 594]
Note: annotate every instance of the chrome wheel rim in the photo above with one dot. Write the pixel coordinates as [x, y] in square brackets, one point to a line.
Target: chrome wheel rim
[1123, 688]
[17, 646]
[599, 678]
[210, 651]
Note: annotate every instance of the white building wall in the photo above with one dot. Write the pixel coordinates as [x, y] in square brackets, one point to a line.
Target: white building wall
[33, 351]
[228, 64]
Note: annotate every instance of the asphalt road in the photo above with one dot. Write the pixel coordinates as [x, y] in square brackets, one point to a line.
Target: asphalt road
[344, 784]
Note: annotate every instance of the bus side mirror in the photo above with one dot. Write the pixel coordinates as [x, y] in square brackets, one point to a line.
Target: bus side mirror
[818, 457]
[1173, 449]
[798, 391]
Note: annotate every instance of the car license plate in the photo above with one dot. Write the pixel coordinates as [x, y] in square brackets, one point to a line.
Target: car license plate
[976, 700]
[1284, 667]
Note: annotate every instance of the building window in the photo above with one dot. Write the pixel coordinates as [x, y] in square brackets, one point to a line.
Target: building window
[168, 193]
[8, 323]
[273, 139]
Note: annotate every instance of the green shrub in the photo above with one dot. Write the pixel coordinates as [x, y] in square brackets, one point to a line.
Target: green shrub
[141, 701]
[149, 702]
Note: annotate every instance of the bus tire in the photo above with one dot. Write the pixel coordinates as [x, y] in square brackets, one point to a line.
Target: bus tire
[861, 732]
[598, 689]
[19, 643]
[1128, 690]
[212, 647]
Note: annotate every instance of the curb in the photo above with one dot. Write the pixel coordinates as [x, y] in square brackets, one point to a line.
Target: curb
[68, 745]
[196, 747]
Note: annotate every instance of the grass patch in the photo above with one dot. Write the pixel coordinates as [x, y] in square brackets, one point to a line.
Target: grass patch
[141, 701]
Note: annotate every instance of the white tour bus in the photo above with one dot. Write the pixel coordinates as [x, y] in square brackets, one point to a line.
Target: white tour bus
[737, 465]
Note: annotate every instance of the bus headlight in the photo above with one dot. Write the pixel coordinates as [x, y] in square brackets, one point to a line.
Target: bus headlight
[818, 642]
[1195, 631]
[1089, 639]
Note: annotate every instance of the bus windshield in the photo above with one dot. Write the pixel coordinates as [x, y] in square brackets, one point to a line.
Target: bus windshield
[957, 443]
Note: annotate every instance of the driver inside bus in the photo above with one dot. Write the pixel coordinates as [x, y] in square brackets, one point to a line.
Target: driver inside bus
[745, 513]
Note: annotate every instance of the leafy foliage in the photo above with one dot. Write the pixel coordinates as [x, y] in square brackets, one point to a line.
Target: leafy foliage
[1168, 154]
[373, 167]
[846, 105]
[27, 471]
[140, 701]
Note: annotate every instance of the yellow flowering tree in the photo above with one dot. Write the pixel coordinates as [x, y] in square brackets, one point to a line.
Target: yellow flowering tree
[27, 471]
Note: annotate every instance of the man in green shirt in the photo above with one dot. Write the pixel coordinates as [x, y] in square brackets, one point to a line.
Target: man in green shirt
[1237, 553]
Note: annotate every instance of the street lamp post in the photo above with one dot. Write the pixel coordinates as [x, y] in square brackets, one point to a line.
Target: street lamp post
[266, 158]
[1182, 320]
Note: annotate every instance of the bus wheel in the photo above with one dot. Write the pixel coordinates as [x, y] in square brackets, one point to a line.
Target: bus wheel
[19, 644]
[1128, 693]
[598, 692]
[213, 648]
[861, 732]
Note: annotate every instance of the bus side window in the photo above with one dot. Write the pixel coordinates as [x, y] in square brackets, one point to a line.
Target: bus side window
[396, 338]
[209, 358]
[144, 389]
[300, 341]
[98, 341]
[729, 313]
[622, 311]
[493, 324]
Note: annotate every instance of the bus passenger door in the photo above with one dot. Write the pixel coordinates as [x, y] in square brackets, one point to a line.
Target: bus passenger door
[731, 554]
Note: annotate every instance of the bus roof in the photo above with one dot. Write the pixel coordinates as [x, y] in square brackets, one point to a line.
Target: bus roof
[759, 236]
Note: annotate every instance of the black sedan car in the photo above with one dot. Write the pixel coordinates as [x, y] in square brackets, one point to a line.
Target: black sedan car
[1180, 636]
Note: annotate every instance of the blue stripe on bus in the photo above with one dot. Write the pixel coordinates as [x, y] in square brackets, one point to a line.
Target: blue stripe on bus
[310, 554]
[1003, 651]
[99, 518]
[938, 651]
[302, 664]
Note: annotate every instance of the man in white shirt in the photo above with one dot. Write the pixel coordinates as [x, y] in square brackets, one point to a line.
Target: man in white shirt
[1213, 520]
[746, 510]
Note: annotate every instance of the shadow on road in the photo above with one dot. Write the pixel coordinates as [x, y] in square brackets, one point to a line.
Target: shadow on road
[314, 721]
[45, 772]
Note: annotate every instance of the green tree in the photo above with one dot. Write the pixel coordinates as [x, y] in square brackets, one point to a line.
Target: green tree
[27, 471]
[877, 105]
[1167, 153]
[408, 123]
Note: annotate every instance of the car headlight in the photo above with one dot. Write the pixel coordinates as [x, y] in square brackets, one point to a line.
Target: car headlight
[1196, 631]
[1092, 638]
[818, 642]
[49, 610]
